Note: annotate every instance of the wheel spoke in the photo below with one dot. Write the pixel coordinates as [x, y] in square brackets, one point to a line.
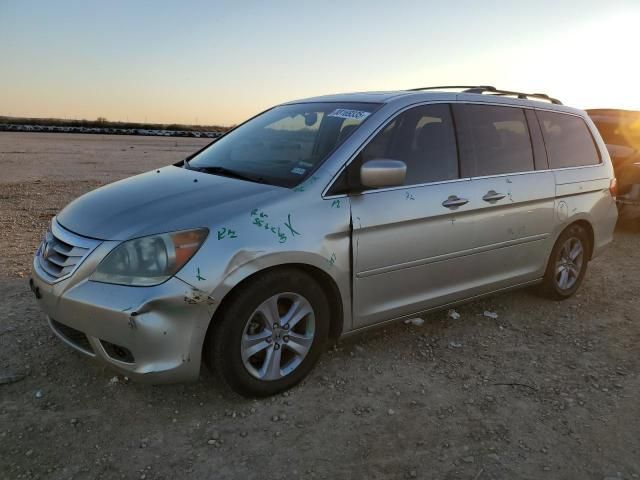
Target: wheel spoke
[269, 311]
[574, 271]
[575, 251]
[564, 279]
[252, 344]
[299, 309]
[271, 367]
[299, 343]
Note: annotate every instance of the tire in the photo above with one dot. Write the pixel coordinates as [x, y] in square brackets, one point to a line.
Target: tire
[556, 284]
[256, 319]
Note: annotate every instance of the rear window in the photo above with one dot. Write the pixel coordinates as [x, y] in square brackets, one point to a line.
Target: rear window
[568, 140]
[493, 140]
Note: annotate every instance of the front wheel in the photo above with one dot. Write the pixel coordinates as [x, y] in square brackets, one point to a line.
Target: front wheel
[568, 263]
[270, 335]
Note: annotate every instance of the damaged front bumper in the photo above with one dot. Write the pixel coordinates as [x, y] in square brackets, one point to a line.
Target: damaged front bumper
[153, 334]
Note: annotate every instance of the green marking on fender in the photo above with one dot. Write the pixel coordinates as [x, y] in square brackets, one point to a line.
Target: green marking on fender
[288, 225]
[226, 233]
[260, 220]
[198, 276]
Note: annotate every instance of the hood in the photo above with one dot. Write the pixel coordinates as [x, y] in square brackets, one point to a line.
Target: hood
[160, 201]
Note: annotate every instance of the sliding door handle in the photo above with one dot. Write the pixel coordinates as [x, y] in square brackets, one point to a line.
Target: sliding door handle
[493, 196]
[454, 202]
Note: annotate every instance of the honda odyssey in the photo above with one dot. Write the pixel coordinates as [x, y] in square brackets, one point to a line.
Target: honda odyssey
[324, 217]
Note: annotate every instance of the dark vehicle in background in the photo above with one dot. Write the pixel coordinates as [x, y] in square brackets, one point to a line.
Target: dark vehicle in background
[620, 130]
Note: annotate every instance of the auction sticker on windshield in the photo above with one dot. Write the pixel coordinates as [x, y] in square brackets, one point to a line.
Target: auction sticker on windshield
[351, 114]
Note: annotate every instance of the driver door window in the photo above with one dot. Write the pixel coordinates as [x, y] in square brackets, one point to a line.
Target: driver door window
[422, 137]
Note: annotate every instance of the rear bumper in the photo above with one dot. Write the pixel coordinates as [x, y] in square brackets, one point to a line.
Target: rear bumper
[152, 334]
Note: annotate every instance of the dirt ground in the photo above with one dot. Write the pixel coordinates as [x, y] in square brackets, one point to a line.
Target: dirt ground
[545, 390]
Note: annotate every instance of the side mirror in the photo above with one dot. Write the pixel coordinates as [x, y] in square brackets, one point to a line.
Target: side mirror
[383, 173]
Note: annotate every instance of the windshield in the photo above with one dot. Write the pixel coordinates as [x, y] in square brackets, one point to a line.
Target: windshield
[284, 145]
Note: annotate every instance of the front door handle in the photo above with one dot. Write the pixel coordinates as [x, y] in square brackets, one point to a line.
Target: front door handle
[493, 196]
[454, 202]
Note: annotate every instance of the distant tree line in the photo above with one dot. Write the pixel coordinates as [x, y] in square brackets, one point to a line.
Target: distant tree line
[102, 122]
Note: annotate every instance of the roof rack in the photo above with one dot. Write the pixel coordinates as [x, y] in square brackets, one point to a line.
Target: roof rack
[492, 90]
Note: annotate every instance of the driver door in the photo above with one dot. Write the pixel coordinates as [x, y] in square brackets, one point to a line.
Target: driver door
[409, 242]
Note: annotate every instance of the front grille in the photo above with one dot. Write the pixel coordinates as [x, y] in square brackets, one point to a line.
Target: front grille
[62, 251]
[73, 336]
[59, 258]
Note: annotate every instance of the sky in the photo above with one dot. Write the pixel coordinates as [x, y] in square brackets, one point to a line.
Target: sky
[220, 62]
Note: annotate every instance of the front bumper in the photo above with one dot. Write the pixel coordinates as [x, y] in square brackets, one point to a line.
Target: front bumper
[153, 334]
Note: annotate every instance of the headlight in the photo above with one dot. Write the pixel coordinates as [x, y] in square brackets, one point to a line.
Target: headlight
[149, 260]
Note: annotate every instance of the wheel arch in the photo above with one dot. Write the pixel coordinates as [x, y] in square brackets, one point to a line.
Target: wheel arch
[324, 280]
[583, 222]
[586, 225]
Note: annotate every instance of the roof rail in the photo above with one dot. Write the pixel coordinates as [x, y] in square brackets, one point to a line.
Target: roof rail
[480, 89]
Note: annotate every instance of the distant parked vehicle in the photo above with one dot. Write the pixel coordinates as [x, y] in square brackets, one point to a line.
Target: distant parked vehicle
[324, 217]
[620, 130]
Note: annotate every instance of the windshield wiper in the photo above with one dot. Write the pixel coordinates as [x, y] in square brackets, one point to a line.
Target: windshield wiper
[226, 172]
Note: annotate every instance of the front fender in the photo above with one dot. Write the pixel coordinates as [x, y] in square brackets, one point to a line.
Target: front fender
[263, 237]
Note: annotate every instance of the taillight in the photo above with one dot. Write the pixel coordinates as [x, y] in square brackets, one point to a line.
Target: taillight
[613, 187]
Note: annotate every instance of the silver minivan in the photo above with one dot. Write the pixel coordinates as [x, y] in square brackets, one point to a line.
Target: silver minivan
[324, 217]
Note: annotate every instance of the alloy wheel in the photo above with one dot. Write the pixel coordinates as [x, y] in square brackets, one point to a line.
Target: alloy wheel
[278, 336]
[569, 263]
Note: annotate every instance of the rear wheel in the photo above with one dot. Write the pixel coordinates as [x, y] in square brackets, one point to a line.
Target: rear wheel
[568, 263]
[270, 335]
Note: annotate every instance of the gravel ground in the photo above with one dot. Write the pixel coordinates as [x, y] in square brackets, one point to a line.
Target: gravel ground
[545, 390]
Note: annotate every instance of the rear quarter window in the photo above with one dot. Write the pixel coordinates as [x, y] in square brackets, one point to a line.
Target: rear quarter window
[568, 140]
